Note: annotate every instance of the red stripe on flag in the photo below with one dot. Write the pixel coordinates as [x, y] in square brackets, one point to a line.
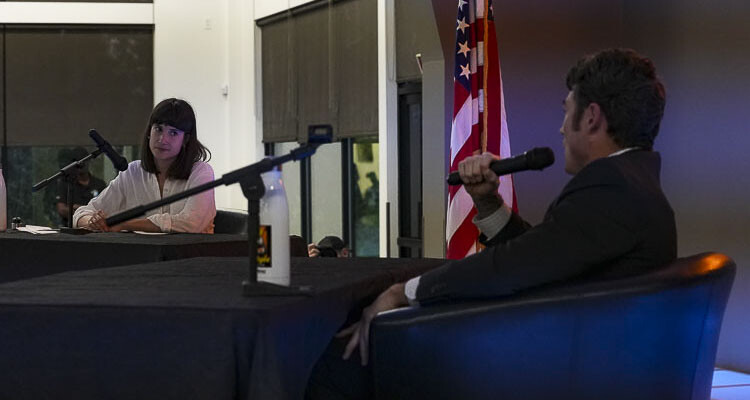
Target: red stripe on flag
[464, 239]
[492, 97]
[459, 98]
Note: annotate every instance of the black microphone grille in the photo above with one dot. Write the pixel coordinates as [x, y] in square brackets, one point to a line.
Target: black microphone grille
[96, 137]
[540, 157]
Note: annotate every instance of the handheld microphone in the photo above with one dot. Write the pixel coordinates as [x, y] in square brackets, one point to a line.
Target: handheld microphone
[536, 158]
[120, 163]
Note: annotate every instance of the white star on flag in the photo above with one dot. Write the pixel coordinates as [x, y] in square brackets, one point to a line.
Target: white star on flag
[465, 71]
[464, 49]
[461, 3]
[462, 25]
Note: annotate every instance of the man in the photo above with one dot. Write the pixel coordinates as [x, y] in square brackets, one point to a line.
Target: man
[611, 219]
[85, 187]
[329, 246]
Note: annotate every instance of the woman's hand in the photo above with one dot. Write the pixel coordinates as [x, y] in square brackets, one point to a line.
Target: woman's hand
[98, 222]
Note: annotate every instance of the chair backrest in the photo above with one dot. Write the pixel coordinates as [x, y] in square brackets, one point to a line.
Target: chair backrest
[647, 337]
[297, 246]
[230, 222]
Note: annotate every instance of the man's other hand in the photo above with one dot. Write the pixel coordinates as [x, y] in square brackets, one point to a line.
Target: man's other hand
[312, 250]
[393, 297]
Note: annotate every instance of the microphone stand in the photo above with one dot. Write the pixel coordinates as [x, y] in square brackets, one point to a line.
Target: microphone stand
[253, 189]
[69, 173]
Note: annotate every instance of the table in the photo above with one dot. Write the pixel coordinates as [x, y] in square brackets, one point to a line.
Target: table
[23, 255]
[179, 329]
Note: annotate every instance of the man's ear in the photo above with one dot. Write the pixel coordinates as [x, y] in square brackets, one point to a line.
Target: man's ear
[593, 118]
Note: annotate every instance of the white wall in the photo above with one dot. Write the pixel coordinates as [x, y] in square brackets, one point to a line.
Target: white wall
[388, 128]
[203, 49]
[204, 53]
[264, 8]
[19, 12]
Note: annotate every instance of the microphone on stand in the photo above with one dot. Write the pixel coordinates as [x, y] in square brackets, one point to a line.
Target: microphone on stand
[536, 158]
[120, 163]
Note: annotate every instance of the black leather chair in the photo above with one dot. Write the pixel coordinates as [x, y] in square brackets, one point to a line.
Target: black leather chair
[647, 337]
[230, 222]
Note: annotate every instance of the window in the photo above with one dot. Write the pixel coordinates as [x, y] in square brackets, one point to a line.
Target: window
[59, 82]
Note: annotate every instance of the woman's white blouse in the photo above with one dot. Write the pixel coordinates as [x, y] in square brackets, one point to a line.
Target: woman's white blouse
[135, 186]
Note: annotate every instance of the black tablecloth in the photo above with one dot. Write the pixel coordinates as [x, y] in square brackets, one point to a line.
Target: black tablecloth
[23, 255]
[179, 329]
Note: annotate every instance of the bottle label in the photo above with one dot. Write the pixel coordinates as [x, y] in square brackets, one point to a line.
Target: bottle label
[264, 246]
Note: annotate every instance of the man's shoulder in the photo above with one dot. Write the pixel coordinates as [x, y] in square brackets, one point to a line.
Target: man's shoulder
[618, 170]
[600, 172]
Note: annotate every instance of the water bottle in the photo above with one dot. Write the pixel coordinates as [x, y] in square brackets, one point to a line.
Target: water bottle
[273, 238]
[3, 204]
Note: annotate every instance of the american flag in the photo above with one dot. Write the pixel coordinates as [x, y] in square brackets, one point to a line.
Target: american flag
[477, 86]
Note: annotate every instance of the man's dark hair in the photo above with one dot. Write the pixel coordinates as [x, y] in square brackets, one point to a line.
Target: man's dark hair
[179, 114]
[329, 246]
[625, 86]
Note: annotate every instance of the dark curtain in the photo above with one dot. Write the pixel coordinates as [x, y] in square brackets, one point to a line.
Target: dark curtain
[319, 66]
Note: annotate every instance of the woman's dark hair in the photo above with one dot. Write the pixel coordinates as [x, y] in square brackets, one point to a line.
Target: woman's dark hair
[624, 84]
[179, 114]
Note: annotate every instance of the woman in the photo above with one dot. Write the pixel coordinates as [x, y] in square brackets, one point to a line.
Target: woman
[172, 160]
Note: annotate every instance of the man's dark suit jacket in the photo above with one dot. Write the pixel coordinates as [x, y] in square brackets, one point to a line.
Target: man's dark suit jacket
[611, 220]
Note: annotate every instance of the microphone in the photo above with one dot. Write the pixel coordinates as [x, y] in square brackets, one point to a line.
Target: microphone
[117, 160]
[536, 158]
